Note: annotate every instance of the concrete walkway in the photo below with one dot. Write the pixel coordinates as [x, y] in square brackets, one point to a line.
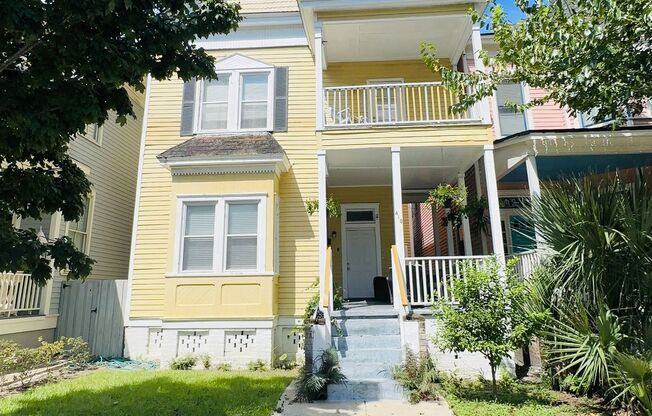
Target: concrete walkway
[288, 407]
[378, 408]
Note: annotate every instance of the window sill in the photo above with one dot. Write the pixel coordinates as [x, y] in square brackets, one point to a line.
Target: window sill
[253, 273]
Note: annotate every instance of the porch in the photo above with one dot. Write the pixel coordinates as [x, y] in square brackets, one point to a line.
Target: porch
[370, 239]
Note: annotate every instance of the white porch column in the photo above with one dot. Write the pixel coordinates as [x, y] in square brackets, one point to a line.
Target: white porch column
[323, 218]
[319, 73]
[449, 235]
[397, 198]
[466, 226]
[535, 188]
[435, 231]
[478, 181]
[492, 198]
[476, 43]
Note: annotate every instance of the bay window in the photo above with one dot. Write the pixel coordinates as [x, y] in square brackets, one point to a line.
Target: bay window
[239, 100]
[221, 235]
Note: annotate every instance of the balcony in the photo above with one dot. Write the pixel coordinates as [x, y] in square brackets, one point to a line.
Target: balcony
[19, 295]
[392, 104]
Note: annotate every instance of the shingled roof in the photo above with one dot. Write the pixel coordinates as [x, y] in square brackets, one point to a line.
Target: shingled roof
[227, 146]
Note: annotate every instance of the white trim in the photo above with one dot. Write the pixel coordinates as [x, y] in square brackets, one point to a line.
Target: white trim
[277, 164]
[319, 78]
[344, 226]
[139, 181]
[220, 234]
[236, 66]
[323, 220]
[529, 117]
[229, 273]
[494, 205]
[27, 324]
[397, 203]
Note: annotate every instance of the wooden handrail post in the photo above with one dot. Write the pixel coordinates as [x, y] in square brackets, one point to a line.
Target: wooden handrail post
[328, 280]
[400, 278]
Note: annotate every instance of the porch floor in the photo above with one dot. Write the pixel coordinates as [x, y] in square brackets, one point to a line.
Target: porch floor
[364, 308]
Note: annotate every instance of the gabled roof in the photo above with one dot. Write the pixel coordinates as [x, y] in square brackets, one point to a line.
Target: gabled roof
[226, 153]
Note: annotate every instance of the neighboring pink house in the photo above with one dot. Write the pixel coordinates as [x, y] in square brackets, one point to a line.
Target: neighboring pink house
[547, 122]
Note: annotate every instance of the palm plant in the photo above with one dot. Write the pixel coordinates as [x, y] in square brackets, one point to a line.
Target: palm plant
[599, 236]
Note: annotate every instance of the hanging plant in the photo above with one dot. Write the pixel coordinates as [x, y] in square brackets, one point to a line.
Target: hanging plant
[333, 209]
[447, 196]
[475, 210]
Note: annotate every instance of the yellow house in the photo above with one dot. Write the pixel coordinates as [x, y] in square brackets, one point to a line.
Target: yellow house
[314, 98]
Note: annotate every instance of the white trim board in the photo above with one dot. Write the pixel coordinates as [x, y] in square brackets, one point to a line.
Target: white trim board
[343, 228]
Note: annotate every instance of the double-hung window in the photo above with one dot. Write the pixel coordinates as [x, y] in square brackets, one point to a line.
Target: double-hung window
[511, 121]
[240, 100]
[221, 235]
[79, 231]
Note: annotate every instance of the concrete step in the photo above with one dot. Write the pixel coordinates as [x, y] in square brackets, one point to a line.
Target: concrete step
[366, 371]
[366, 326]
[353, 342]
[365, 390]
[378, 356]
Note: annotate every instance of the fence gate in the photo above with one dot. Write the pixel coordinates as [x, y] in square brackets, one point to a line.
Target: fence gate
[94, 311]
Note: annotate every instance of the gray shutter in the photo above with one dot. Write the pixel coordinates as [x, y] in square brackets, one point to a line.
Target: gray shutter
[188, 108]
[281, 99]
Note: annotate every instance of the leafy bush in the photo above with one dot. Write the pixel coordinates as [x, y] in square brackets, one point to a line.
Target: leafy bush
[487, 318]
[23, 361]
[257, 365]
[284, 363]
[418, 376]
[223, 367]
[206, 361]
[312, 386]
[186, 362]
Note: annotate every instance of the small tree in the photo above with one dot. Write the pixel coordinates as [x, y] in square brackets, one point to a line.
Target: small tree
[486, 317]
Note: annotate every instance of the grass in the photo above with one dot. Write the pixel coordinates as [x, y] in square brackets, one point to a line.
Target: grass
[516, 399]
[160, 393]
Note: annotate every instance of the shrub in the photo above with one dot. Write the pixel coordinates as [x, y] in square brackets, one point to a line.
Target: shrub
[487, 318]
[186, 362]
[312, 386]
[257, 365]
[284, 363]
[418, 376]
[223, 367]
[206, 361]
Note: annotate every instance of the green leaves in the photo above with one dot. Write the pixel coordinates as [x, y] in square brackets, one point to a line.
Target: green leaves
[591, 56]
[64, 66]
[487, 317]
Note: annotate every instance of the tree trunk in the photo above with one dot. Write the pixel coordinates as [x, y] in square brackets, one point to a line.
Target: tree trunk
[494, 387]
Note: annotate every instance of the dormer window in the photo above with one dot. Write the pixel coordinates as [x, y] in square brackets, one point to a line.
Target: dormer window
[240, 99]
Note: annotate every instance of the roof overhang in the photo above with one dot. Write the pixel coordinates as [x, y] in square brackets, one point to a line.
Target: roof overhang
[511, 151]
[276, 164]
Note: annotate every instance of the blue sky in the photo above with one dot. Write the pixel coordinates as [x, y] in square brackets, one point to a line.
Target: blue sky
[513, 12]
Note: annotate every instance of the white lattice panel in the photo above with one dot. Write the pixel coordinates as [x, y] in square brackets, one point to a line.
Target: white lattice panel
[292, 341]
[192, 342]
[154, 342]
[238, 343]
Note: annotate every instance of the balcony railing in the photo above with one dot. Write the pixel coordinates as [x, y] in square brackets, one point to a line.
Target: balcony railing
[19, 295]
[430, 279]
[392, 105]
[528, 261]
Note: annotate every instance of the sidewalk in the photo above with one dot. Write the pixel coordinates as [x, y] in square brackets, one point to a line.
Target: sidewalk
[286, 407]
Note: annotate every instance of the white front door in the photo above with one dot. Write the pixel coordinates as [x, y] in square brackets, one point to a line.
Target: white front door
[361, 262]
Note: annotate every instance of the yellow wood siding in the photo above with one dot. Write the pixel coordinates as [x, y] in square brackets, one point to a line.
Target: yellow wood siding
[299, 262]
[381, 195]
[358, 73]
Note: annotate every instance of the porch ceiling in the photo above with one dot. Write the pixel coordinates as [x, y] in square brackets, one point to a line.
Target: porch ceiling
[422, 168]
[390, 37]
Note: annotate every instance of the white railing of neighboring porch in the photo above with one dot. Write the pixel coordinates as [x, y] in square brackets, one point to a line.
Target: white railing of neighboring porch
[18, 294]
[430, 279]
[392, 104]
[527, 263]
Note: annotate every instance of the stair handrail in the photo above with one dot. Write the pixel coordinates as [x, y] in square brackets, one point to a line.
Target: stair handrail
[399, 279]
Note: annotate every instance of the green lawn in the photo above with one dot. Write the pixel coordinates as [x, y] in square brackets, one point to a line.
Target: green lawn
[160, 393]
[472, 399]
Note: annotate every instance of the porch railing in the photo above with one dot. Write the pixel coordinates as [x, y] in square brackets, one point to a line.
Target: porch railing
[392, 104]
[527, 263]
[430, 279]
[399, 291]
[18, 295]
